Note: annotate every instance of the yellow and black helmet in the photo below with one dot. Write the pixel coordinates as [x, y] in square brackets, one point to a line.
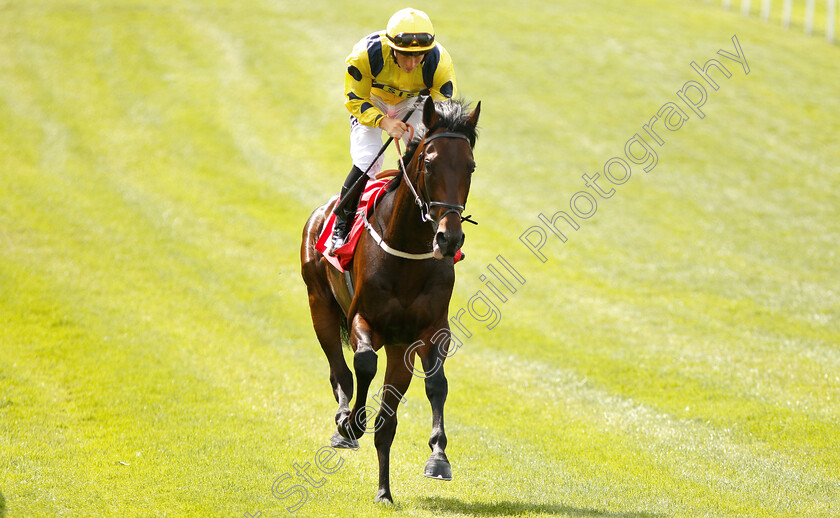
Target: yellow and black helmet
[410, 30]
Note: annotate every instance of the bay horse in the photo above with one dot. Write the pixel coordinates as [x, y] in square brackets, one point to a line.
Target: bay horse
[402, 279]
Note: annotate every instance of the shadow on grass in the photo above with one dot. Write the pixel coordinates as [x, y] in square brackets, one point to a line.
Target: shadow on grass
[2, 506]
[439, 506]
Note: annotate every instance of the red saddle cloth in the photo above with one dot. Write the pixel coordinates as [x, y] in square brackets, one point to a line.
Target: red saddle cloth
[344, 255]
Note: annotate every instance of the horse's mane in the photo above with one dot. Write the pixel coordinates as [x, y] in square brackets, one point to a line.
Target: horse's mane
[453, 115]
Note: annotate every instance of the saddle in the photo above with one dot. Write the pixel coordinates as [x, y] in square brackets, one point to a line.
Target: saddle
[344, 255]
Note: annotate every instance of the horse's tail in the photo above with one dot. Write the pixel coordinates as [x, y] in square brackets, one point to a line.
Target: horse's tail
[344, 331]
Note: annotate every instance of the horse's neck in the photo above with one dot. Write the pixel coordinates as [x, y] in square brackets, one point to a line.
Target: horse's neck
[404, 228]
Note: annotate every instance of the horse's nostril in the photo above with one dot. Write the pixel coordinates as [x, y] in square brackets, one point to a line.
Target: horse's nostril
[441, 240]
[449, 244]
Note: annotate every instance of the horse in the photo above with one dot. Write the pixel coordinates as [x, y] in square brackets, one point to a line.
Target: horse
[402, 281]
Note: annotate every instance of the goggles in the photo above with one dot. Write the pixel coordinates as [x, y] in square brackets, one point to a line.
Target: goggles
[407, 40]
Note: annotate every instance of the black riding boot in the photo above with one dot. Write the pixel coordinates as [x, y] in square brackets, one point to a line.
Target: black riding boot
[346, 208]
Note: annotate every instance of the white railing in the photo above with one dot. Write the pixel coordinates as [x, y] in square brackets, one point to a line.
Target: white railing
[787, 14]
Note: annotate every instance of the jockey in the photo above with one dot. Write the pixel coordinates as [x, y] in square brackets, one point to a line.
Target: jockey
[386, 71]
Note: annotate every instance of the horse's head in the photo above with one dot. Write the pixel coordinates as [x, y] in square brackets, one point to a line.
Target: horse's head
[445, 168]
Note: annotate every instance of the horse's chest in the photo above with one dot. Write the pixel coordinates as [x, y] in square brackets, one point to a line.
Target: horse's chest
[399, 326]
[405, 307]
[400, 317]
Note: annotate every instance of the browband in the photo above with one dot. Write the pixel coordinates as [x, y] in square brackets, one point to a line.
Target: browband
[451, 134]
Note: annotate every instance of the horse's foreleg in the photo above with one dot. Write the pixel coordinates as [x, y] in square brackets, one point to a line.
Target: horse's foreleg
[397, 378]
[436, 390]
[364, 363]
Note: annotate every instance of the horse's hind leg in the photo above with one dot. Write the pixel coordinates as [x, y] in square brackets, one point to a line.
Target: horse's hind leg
[326, 318]
[397, 379]
[353, 426]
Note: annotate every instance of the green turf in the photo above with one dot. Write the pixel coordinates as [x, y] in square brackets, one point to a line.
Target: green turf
[677, 356]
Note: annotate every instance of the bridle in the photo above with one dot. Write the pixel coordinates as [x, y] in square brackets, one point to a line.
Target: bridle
[423, 202]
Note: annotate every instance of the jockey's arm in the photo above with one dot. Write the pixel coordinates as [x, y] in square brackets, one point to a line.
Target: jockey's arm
[357, 85]
[444, 85]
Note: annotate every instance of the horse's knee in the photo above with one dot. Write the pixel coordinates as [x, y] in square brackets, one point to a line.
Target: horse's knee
[364, 363]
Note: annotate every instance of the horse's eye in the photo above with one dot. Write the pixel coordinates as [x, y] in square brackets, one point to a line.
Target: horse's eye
[427, 164]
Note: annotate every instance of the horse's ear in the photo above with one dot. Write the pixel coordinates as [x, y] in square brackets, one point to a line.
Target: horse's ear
[430, 117]
[473, 117]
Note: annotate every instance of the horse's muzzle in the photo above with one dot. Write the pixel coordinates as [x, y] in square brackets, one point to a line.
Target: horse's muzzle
[447, 243]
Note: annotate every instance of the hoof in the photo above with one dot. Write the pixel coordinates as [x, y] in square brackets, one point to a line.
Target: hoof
[348, 425]
[338, 441]
[346, 431]
[384, 497]
[438, 467]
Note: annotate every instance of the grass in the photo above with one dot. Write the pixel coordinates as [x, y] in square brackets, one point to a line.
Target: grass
[676, 357]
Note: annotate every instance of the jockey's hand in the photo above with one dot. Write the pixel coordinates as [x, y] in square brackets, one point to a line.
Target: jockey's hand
[393, 127]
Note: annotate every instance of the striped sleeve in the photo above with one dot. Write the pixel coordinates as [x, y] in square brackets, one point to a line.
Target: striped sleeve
[439, 74]
[362, 66]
